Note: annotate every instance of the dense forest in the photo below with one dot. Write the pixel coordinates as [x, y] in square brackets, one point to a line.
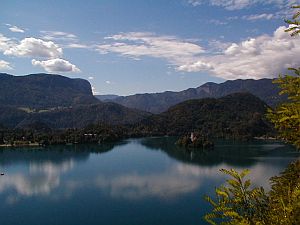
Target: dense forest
[238, 116]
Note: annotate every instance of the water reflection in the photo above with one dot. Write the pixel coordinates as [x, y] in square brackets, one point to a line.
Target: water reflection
[42, 168]
[42, 178]
[127, 173]
[240, 154]
[46, 166]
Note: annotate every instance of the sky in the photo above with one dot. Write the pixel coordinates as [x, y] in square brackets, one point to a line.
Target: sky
[126, 47]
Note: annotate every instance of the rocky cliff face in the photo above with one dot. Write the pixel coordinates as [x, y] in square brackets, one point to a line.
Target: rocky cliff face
[44, 91]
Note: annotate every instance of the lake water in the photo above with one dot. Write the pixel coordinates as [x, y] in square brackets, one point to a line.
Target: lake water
[135, 182]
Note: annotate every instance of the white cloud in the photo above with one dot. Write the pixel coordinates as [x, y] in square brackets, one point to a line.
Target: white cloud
[217, 22]
[16, 29]
[241, 4]
[5, 43]
[91, 78]
[139, 44]
[196, 66]
[95, 92]
[258, 57]
[33, 47]
[264, 16]
[195, 2]
[42, 179]
[5, 65]
[107, 82]
[76, 45]
[58, 35]
[263, 56]
[67, 40]
[56, 65]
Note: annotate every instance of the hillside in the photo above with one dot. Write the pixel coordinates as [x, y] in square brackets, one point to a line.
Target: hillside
[239, 115]
[44, 91]
[77, 116]
[56, 101]
[106, 97]
[160, 102]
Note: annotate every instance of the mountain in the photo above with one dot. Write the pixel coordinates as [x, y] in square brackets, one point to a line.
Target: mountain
[40, 91]
[106, 97]
[160, 102]
[235, 115]
[55, 101]
[77, 116]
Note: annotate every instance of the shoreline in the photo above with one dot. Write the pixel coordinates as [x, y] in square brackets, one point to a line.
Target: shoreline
[21, 145]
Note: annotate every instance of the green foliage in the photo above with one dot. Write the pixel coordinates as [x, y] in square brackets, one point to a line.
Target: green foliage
[284, 197]
[238, 203]
[286, 117]
[294, 27]
[198, 142]
[238, 116]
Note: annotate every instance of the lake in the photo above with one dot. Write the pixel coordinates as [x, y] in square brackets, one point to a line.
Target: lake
[146, 181]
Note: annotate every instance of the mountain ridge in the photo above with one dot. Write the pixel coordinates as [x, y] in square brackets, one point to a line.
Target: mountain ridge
[234, 115]
[57, 101]
[160, 102]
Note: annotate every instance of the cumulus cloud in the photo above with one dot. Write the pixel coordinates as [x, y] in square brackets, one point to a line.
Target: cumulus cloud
[139, 44]
[56, 65]
[263, 56]
[258, 57]
[33, 47]
[5, 43]
[5, 65]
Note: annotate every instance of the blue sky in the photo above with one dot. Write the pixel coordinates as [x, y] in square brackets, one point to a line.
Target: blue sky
[137, 46]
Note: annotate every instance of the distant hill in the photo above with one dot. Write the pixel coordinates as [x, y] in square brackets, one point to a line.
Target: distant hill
[106, 97]
[44, 91]
[77, 116]
[239, 115]
[160, 102]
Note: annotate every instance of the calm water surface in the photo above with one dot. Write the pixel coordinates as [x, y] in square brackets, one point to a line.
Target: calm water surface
[135, 182]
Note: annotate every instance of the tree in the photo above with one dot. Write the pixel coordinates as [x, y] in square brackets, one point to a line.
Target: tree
[237, 203]
[294, 23]
[286, 117]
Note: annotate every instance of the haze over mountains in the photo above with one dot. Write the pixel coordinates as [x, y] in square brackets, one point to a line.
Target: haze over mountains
[160, 102]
